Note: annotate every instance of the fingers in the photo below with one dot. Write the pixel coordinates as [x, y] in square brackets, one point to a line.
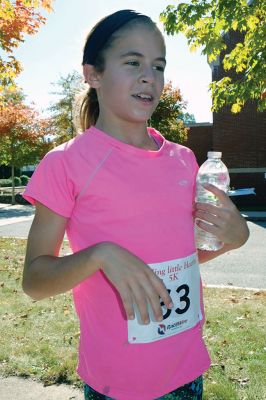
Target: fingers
[157, 295]
[223, 220]
[135, 281]
[148, 295]
[128, 301]
[220, 194]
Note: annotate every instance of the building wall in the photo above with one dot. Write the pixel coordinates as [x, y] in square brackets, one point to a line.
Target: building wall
[200, 140]
[241, 137]
[246, 162]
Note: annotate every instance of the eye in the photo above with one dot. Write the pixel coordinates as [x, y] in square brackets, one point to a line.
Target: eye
[134, 63]
[159, 68]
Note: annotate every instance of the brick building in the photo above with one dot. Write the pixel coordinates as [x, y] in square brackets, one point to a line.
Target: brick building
[240, 137]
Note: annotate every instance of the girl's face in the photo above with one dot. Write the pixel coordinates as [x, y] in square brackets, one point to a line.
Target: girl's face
[130, 87]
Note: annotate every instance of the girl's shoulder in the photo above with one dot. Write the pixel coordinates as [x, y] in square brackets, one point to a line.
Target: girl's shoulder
[173, 148]
[82, 147]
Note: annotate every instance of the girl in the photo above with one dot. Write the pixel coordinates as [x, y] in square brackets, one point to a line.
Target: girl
[124, 195]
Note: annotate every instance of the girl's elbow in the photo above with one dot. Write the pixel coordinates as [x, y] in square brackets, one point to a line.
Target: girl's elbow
[30, 290]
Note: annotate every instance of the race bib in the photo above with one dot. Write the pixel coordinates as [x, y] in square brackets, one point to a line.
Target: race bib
[182, 280]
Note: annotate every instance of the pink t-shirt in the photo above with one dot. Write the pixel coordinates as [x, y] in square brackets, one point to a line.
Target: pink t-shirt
[141, 200]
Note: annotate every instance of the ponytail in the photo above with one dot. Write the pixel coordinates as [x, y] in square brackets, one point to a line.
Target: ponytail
[89, 110]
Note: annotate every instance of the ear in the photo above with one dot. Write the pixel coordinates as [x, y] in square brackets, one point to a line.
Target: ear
[91, 76]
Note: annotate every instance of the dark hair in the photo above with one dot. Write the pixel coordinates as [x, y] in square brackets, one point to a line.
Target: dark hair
[98, 41]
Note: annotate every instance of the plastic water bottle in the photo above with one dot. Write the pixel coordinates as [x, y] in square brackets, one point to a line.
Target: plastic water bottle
[215, 172]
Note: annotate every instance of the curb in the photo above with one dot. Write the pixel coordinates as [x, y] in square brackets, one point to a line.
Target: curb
[233, 287]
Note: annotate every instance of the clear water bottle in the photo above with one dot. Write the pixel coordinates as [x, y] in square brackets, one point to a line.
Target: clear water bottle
[215, 172]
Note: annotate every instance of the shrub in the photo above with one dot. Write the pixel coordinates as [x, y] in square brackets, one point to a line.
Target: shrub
[5, 182]
[24, 180]
[20, 200]
[5, 198]
[17, 181]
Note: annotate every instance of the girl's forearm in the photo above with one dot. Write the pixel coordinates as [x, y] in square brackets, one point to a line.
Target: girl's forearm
[48, 275]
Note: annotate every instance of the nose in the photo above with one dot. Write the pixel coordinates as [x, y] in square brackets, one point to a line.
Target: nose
[147, 75]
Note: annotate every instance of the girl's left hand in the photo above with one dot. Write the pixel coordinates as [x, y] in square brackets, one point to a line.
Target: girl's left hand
[228, 225]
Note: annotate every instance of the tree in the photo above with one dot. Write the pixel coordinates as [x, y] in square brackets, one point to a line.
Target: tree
[17, 18]
[62, 123]
[187, 118]
[206, 24]
[22, 136]
[166, 117]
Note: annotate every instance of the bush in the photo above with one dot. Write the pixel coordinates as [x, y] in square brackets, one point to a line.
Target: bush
[20, 200]
[17, 181]
[24, 180]
[5, 198]
[8, 182]
[5, 182]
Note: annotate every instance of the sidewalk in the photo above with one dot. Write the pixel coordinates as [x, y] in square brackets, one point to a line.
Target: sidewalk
[12, 388]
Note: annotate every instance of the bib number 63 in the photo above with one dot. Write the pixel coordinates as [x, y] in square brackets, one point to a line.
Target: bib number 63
[184, 299]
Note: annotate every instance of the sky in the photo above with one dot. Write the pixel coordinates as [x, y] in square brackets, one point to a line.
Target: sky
[56, 50]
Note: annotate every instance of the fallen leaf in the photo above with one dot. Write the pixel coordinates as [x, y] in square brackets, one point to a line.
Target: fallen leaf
[234, 300]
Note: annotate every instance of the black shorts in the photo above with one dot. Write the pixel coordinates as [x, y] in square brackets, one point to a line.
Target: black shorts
[190, 391]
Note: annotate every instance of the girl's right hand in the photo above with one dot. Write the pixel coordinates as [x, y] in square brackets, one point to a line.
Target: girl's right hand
[134, 280]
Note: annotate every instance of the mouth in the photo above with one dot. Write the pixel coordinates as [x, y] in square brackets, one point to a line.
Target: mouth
[144, 97]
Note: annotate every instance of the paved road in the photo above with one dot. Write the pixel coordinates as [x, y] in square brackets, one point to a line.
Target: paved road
[244, 267]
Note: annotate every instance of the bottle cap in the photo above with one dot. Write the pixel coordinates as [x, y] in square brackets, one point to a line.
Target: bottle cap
[214, 154]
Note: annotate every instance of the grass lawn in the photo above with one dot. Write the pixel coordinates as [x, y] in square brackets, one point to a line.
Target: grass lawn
[40, 339]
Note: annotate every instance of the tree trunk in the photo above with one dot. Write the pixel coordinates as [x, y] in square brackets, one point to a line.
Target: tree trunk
[13, 184]
[12, 172]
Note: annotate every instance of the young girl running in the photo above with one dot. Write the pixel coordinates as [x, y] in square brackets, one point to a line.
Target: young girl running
[125, 197]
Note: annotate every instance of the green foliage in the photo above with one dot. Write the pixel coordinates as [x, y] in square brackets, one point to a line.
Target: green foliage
[167, 116]
[24, 180]
[62, 121]
[17, 181]
[5, 182]
[20, 199]
[187, 118]
[206, 24]
[6, 198]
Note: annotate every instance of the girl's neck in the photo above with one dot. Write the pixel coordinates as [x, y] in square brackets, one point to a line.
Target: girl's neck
[135, 134]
